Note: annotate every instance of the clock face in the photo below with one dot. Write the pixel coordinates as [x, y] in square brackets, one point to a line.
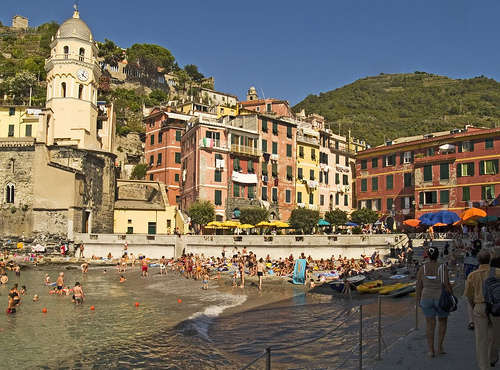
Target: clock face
[83, 75]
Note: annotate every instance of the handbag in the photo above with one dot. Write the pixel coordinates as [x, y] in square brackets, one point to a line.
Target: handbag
[447, 301]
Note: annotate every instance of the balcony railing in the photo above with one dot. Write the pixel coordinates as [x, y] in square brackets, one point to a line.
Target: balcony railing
[243, 149]
[434, 158]
[73, 57]
[211, 144]
[308, 139]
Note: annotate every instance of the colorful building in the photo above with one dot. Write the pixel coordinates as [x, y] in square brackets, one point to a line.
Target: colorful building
[18, 121]
[276, 107]
[308, 169]
[162, 150]
[451, 170]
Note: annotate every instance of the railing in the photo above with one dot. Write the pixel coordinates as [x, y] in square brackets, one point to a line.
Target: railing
[76, 57]
[211, 144]
[307, 139]
[245, 149]
[434, 158]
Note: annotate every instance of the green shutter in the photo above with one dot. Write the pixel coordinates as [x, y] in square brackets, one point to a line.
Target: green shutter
[444, 196]
[218, 197]
[401, 158]
[289, 131]
[288, 150]
[481, 167]
[460, 147]
[495, 165]
[363, 184]
[421, 197]
[444, 171]
[471, 146]
[428, 173]
[459, 170]
[299, 173]
[250, 166]
[289, 172]
[434, 197]
[384, 160]
[470, 169]
[264, 125]
[465, 193]
[264, 146]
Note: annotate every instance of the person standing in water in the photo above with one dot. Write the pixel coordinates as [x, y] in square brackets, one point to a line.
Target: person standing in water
[241, 267]
[144, 267]
[163, 265]
[78, 293]
[260, 271]
[60, 283]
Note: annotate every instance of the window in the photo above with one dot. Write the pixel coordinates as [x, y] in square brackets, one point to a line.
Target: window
[428, 173]
[236, 190]
[364, 184]
[289, 174]
[274, 169]
[311, 198]
[346, 161]
[407, 157]
[430, 152]
[444, 171]
[176, 177]
[488, 143]
[275, 128]
[218, 197]
[151, 177]
[488, 192]
[301, 151]
[275, 194]
[300, 175]
[218, 176]
[299, 197]
[177, 199]
[390, 203]
[428, 197]
[374, 162]
[269, 107]
[321, 200]
[288, 150]
[250, 168]
[465, 169]
[151, 227]
[489, 167]
[313, 154]
[337, 199]
[169, 223]
[346, 200]
[28, 131]
[444, 196]
[345, 179]
[177, 157]
[251, 191]
[465, 193]
[337, 179]
[264, 193]
[377, 204]
[66, 52]
[390, 160]
[160, 137]
[130, 229]
[11, 130]
[178, 135]
[151, 160]
[12, 111]
[407, 179]
[466, 146]
[82, 54]
[311, 174]
[236, 164]
[389, 182]
[63, 89]
[288, 196]
[289, 132]
[264, 169]
[158, 161]
[374, 183]
[152, 139]
[80, 91]
[264, 125]
[363, 164]
[320, 176]
[326, 177]
[9, 193]
[264, 146]
[275, 147]
[337, 159]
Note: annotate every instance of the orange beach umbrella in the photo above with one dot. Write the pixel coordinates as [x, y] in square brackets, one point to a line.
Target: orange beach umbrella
[472, 213]
[439, 224]
[412, 222]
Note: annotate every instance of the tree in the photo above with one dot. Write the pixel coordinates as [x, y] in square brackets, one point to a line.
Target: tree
[201, 212]
[336, 217]
[19, 86]
[253, 215]
[157, 97]
[111, 53]
[182, 78]
[192, 71]
[364, 216]
[304, 219]
[148, 57]
[139, 171]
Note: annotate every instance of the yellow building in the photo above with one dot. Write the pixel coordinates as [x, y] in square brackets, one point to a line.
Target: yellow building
[223, 111]
[307, 168]
[18, 121]
[142, 208]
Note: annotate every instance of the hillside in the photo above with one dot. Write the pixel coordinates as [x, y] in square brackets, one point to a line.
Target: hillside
[394, 105]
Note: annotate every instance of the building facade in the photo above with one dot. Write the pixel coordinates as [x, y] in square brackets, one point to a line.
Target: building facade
[18, 121]
[308, 169]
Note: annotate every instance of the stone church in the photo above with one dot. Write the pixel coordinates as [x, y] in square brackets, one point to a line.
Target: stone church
[62, 181]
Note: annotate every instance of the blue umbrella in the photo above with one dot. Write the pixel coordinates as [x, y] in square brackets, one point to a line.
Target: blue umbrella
[323, 222]
[351, 224]
[444, 217]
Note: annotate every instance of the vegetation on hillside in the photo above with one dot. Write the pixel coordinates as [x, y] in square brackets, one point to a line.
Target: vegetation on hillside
[394, 105]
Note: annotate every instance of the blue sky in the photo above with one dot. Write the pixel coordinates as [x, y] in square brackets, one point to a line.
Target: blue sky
[289, 49]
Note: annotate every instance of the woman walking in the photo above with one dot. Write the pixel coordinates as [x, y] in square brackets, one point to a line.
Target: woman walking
[430, 278]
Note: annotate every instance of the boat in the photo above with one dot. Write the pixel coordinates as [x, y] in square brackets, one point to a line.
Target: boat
[403, 291]
[353, 280]
[390, 288]
[370, 286]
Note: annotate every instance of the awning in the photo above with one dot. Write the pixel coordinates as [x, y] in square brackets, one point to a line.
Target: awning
[244, 178]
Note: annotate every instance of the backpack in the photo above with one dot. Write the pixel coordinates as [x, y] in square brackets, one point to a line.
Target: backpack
[491, 290]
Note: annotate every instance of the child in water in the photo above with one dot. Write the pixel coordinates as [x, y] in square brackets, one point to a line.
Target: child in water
[35, 298]
[47, 279]
[204, 285]
[23, 290]
[122, 279]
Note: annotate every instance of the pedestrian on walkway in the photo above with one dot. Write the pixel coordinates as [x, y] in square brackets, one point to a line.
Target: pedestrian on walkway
[486, 326]
[430, 279]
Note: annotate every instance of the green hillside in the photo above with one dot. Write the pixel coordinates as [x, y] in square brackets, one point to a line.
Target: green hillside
[394, 105]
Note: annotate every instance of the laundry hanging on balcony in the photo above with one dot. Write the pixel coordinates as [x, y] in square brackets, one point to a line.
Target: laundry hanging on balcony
[244, 178]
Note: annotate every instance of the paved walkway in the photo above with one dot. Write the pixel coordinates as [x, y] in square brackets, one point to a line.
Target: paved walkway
[410, 353]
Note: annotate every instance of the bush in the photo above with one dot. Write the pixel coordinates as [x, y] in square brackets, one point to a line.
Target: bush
[336, 217]
[364, 216]
[304, 219]
[139, 171]
[253, 215]
[356, 230]
[201, 212]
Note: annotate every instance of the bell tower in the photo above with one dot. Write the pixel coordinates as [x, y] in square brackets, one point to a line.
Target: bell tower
[72, 82]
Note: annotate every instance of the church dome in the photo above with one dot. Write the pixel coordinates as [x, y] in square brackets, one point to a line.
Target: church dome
[75, 27]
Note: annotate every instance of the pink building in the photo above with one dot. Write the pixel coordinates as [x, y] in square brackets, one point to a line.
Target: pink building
[279, 108]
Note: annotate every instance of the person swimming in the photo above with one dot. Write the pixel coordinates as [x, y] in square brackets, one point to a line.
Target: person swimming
[60, 282]
[122, 279]
[23, 290]
[47, 279]
[35, 298]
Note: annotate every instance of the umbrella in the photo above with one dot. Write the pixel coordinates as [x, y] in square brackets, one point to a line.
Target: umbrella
[323, 222]
[488, 219]
[230, 224]
[412, 222]
[215, 227]
[444, 217]
[264, 224]
[214, 223]
[473, 213]
[246, 226]
[439, 224]
[279, 223]
[351, 224]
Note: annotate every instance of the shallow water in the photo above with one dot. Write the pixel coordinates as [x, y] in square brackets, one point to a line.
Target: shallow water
[163, 333]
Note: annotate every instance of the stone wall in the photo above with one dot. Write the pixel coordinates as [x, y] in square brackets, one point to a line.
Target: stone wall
[129, 151]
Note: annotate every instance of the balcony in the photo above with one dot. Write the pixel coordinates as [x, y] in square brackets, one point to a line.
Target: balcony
[72, 57]
[208, 143]
[307, 139]
[243, 149]
[422, 160]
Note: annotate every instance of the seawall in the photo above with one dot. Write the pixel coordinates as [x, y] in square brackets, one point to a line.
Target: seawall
[317, 246]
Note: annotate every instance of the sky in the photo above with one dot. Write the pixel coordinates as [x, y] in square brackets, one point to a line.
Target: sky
[290, 49]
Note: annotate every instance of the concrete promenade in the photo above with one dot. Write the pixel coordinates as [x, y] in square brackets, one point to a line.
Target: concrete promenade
[410, 352]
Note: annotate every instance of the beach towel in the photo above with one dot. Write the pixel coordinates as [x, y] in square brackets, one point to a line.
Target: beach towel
[299, 272]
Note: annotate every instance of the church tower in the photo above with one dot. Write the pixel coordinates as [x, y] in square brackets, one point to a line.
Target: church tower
[72, 81]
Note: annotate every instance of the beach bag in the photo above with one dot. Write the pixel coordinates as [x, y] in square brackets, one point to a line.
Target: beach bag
[491, 291]
[447, 301]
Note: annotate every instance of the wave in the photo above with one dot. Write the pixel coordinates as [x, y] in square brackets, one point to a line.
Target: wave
[199, 322]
